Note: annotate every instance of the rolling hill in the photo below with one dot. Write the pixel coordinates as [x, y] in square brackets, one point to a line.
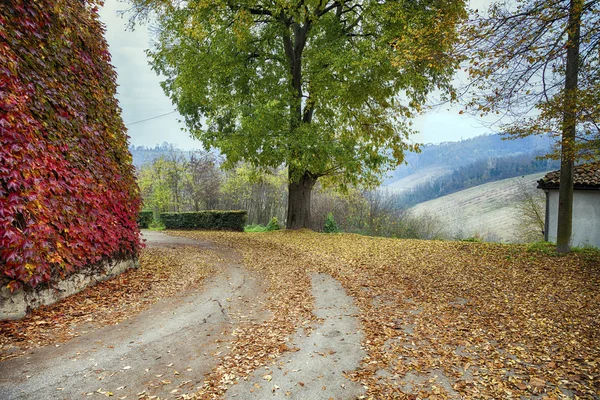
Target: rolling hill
[487, 211]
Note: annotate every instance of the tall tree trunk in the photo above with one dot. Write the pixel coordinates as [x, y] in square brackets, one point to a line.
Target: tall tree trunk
[298, 212]
[299, 191]
[565, 193]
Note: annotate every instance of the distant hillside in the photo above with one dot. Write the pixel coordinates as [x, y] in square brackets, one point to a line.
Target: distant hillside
[143, 154]
[488, 211]
[471, 175]
[453, 155]
[421, 177]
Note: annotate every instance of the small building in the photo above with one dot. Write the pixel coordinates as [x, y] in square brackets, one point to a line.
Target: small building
[586, 204]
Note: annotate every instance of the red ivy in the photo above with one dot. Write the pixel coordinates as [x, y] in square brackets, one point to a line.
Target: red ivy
[68, 197]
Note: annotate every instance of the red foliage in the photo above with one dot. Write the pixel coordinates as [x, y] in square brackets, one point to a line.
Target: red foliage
[68, 196]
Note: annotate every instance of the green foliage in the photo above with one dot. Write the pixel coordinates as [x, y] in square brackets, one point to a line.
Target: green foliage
[261, 192]
[180, 181]
[305, 84]
[210, 220]
[68, 198]
[273, 225]
[472, 239]
[145, 218]
[255, 228]
[330, 225]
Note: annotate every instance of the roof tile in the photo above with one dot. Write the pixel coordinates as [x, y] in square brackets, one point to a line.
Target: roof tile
[585, 176]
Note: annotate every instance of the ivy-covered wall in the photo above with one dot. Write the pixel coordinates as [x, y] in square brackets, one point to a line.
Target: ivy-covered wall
[68, 197]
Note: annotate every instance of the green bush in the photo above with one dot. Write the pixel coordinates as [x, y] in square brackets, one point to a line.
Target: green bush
[210, 220]
[145, 218]
[330, 225]
[273, 225]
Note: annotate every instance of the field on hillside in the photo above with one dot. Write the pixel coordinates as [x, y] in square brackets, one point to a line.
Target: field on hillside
[411, 181]
[441, 319]
[486, 211]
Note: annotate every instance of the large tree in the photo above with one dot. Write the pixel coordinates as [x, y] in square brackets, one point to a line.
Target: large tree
[325, 88]
[538, 62]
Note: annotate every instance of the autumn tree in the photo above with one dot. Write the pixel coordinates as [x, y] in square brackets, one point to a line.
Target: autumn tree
[155, 183]
[261, 193]
[537, 63]
[203, 180]
[325, 88]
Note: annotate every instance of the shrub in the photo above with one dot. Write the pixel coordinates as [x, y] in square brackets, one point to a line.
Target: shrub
[145, 218]
[255, 228]
[330, 224]
[209, 220]
[273, 225]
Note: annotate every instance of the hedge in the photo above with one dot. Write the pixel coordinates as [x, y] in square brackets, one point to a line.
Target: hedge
[145, 218]
[211, 220]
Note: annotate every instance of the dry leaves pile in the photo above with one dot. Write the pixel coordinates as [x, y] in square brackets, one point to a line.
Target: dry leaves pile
[441, 319]
[163, 272]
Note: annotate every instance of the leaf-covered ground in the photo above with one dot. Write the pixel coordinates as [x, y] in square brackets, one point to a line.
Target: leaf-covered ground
[163, 272]
[441, 319]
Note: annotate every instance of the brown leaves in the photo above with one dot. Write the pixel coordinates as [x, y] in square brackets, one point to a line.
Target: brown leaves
[442, 319]
[163, 272]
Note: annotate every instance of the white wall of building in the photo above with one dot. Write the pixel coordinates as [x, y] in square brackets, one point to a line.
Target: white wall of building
[586, 217]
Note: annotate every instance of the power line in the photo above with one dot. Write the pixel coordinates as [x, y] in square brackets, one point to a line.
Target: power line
[148, 119]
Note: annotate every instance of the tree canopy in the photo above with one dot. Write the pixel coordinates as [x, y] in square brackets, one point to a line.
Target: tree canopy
[325, 88]
[518, 66]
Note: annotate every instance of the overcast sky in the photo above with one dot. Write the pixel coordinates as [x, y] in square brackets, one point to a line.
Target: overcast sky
[141, 97]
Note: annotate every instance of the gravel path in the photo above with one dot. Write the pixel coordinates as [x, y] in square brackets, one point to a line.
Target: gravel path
[166, 350]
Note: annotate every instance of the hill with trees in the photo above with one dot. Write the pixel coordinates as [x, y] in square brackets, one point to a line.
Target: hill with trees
[453, 155]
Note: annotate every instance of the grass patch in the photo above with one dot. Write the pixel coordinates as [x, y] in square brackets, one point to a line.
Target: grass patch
[542, 247]
[256, 228]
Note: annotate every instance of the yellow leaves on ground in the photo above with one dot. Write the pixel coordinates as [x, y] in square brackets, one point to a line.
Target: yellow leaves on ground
[441, 319]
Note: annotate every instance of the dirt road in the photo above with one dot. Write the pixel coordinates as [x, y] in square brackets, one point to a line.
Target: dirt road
[166, 350]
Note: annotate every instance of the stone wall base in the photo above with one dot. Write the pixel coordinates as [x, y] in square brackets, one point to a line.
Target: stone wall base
[15, 305]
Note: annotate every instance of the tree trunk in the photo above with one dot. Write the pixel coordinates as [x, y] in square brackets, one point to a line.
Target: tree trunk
[298, 212]
[565, 192]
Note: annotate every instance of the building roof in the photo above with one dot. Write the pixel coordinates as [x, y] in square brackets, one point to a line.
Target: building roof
[585, 176]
